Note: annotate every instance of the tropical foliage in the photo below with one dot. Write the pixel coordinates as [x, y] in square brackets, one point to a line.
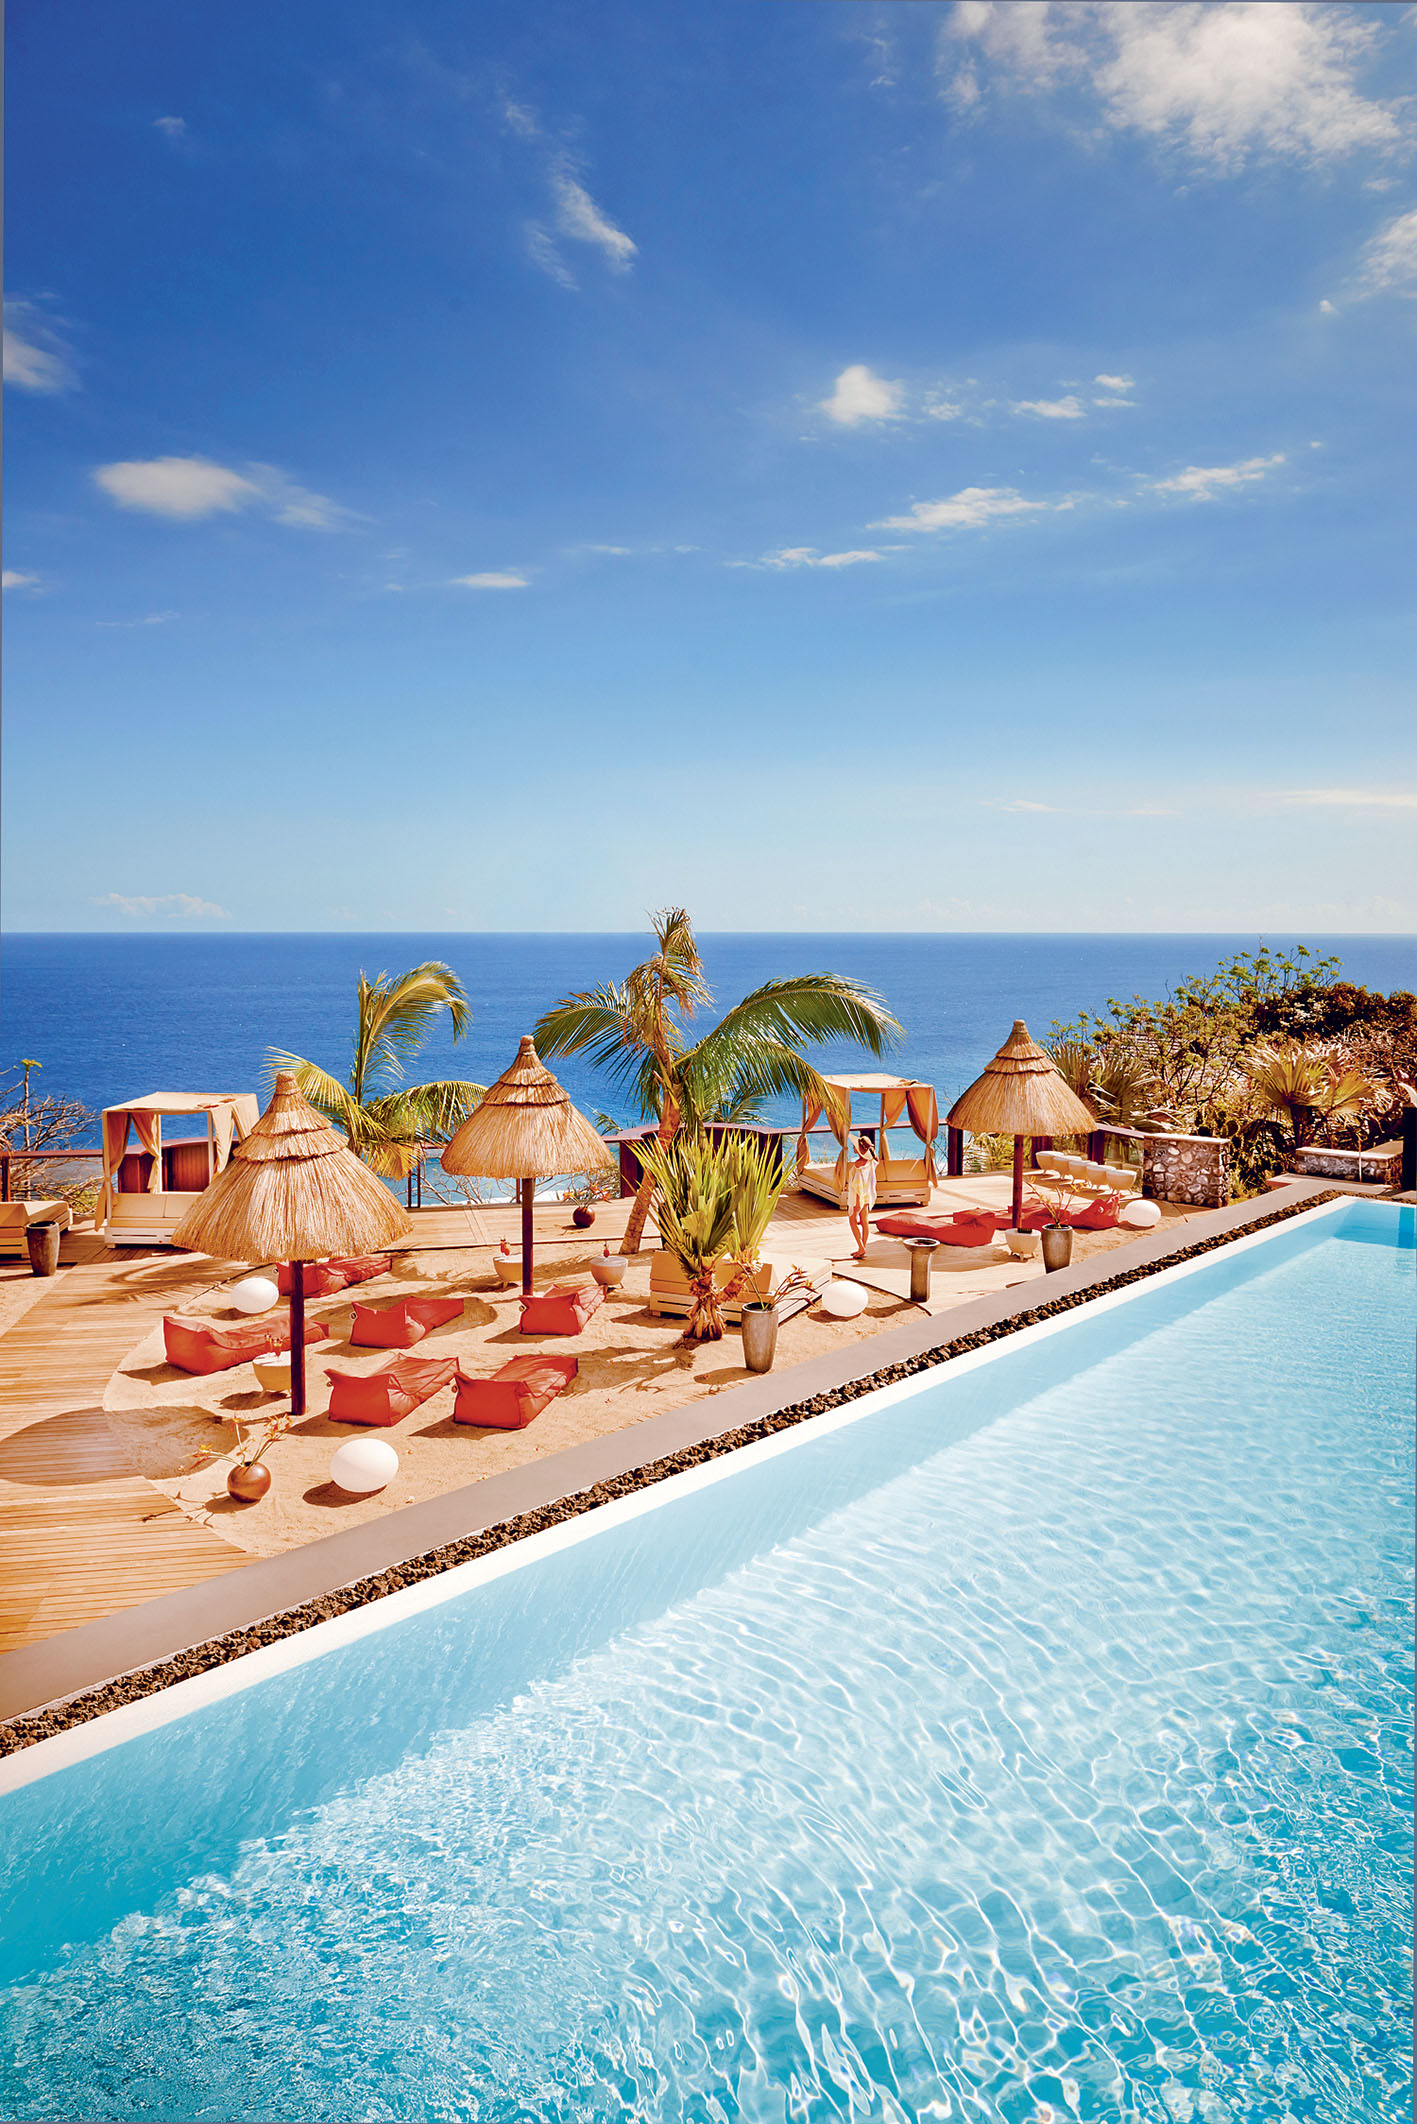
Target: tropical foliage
[637, 1030]
[384, 1119]
[1270, 1050]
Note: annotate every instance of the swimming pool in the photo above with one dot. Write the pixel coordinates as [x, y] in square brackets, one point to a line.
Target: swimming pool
[1025, 1744]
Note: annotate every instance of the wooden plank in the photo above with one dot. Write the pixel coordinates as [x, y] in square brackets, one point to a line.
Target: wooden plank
[82, 1535]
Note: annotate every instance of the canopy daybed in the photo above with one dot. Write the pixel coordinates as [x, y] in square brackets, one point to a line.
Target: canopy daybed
[897, 1179]
[148, 1190]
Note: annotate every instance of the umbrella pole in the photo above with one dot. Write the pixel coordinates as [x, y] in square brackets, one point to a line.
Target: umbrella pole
[528, 1190]
[1018, 1182]
[297, 1338]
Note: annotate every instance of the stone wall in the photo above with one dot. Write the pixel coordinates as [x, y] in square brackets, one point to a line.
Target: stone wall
[1190, 1169]
[1381, 1165]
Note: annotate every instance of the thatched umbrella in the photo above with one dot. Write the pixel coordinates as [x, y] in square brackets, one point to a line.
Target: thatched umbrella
[1022, 1093]
[523, 1128]
[295, 1192]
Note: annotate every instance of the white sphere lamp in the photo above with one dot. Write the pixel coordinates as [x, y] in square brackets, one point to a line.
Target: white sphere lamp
[843, 1301]
[253, 1294]
[1140, 1216]
[363, 1466]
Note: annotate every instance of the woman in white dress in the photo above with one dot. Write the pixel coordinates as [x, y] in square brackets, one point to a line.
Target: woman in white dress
[861, 1193]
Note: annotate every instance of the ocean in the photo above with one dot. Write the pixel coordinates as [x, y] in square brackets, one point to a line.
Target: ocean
[111, 1017]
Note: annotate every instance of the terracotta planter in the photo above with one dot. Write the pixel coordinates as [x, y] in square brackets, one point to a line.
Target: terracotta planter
[42, 1244]
[582, 1217]
[1057, 1242]
[249, 1482]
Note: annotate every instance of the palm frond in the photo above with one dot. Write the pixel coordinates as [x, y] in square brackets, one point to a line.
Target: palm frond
[396, 1015]
[752, 1066]
[599, 1023]
[813, 1008]
[332, 1100]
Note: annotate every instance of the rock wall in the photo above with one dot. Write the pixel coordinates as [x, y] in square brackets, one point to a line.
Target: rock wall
[1189, 1169]
[1382, 1164]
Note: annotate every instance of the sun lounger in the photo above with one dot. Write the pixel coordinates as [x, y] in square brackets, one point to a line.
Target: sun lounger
[323, 1278]
[399, 1326]
[390, 1392]
[199, 1346]
[510, 1398]
[563, 1310]
[17, 1217]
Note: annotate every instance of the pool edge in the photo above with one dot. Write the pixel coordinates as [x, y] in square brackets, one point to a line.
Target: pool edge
[73, 1678]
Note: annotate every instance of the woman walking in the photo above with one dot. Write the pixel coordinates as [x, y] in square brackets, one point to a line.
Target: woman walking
[861, 1193]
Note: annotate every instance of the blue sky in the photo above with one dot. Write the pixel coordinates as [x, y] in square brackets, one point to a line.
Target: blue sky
[837, 466]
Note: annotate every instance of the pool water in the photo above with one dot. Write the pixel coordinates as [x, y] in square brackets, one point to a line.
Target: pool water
[1032, 1746]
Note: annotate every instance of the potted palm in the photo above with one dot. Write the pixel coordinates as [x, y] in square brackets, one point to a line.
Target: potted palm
[695, 1179]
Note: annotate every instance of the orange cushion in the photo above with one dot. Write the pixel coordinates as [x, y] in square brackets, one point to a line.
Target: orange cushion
[323, 1278]
[563, 1310]
[392, 1392]
[509, 1400]
[198, 1346]
[959, 1228]
[399, 1326]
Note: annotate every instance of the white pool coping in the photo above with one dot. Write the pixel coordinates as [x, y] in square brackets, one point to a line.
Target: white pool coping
[180, 1699]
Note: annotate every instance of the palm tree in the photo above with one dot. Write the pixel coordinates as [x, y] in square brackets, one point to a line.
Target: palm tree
[1305, 1084]
[384, 1119]
[636, 1029]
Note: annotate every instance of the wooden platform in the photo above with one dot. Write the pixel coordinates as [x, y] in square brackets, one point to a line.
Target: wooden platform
[81, 1535]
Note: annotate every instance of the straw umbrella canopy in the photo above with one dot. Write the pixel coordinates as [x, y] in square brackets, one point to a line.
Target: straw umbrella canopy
[293, 1192]
[524, 1128]
[1022, 1093]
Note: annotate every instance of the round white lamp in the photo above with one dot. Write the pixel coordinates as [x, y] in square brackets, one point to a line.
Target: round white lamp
[1140, 1216]
[363, 1466]
[253, 1294]
[843, 1301]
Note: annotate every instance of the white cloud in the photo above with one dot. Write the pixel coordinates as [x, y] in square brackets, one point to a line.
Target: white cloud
[579, 218]
[186, 488]
[1223, 80]
[1390, 259]
[1203, 482]
[809, 557]
[966, 510]
[171, 128]
[1117, 384]
[942, 409]
[493, 579]
[861, 396]
[180, 905]
[181, 487]
[13, 580]
[1068, 408]
[1353, 799]
[35, 357]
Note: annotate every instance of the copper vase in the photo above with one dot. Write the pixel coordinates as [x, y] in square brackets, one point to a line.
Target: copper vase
[249, 1481]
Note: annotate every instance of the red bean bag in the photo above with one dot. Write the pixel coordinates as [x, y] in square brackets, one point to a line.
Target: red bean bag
[323, 1278]
[563, 1310]
[388, 1394]
[509, 1400]
[960, 1228]
[399, 1326]
[197, 1346]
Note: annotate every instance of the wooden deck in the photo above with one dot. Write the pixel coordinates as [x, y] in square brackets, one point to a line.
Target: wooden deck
[81, 1535]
